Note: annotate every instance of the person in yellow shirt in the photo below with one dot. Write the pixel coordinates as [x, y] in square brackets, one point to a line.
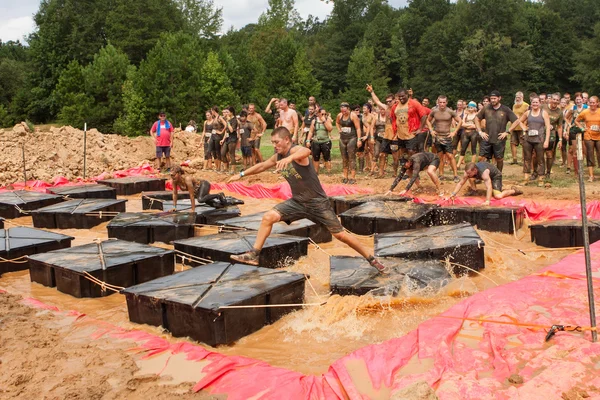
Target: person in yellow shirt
[591, 136]
[516, 138]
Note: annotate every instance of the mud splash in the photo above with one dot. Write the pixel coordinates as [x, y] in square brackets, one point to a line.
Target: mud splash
[311, 339]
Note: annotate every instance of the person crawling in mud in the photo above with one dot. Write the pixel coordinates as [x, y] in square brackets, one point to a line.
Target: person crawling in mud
[199, 190]
[413, 166]
[492, 179]
[308, 198]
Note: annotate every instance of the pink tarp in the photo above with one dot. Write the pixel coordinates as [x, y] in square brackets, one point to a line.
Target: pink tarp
[460, 359]
[40, 186]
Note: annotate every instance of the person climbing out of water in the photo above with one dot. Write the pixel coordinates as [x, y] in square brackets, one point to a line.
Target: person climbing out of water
[199, 190]
[492, 179]
[308, 198]
[413, 166]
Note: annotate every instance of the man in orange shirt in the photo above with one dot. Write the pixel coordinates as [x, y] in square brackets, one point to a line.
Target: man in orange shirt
[591, 118]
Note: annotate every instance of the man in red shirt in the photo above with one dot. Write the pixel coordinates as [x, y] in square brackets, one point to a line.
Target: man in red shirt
[162, 132]
[408, 120]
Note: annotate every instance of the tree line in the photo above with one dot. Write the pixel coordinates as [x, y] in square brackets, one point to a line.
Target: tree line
[115, 63]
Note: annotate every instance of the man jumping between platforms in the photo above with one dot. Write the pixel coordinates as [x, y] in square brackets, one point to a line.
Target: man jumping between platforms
[308, 198]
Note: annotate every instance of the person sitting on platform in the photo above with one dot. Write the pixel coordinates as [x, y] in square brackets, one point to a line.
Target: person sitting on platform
[308, 198]
[199, 190]
[413, 166]
[492, 179]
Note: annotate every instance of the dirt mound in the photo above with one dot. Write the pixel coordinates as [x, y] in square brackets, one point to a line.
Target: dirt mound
[59, 152]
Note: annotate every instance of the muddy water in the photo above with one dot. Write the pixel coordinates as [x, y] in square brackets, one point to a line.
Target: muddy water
[311, 339]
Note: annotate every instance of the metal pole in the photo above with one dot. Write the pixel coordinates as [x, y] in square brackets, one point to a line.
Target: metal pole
[84, 147]
[24, 167]
[586, 239]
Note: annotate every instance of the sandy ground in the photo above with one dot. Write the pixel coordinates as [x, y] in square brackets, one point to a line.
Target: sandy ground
[45, 353]
[51, 355]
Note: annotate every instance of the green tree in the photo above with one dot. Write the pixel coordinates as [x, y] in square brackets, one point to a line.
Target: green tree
[136, 26]
[66, 30]
[94, 94]
[202, 17]
[215, 86]
[345, 29]
[168, 79]
[362, 70]
[70, 96]
[304, 83]
[587, 61]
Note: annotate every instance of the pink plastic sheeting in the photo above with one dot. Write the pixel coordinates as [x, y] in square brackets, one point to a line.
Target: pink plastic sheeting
[537, 210]
[282, 191]
[459, 359]
[452, 362]
[40, 186]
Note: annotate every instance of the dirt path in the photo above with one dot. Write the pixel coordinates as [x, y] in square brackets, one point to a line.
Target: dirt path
[45, 356]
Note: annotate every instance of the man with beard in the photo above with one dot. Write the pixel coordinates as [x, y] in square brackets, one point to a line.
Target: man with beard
[493, 140]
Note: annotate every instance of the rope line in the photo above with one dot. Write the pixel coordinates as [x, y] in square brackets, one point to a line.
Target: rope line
[103, 285]
[14, 260]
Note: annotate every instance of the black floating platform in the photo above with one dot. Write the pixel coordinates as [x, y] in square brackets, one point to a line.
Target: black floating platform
[302, 227]
[493, 219]
[204, 214]
[116, 262]
[77, 214]
[460, 243]
[22, 241]
[278, 250]
[354, 276]
[153, 200]
[134, 184]
[190, 303]
[91, 191]
[25, 200]
[387, 216]
[342, 204]
[563, 233]
[148, 228]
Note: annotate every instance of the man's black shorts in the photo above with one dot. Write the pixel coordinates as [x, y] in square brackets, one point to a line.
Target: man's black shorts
[386, 146]
[317, 210]
[409, 145]
[489, 150]
[444, 145]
